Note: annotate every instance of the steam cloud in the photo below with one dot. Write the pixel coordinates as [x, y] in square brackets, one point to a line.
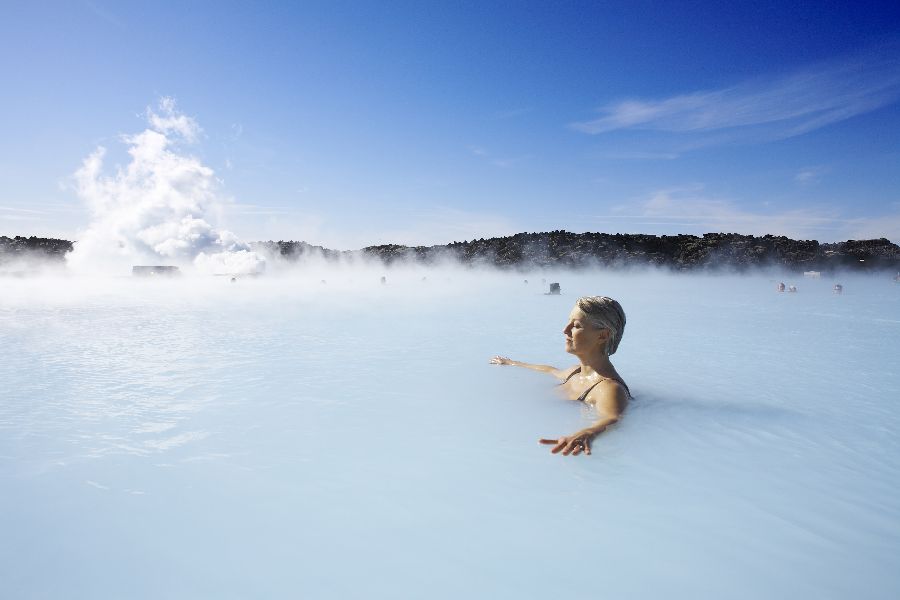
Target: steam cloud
[156, 210]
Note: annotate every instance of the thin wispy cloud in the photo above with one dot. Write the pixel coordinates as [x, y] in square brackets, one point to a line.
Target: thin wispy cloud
[17, 210]
[506, 163]
[240, 209]
[866, 228]
[639, 155]
[14, 213]
[443, 224]
[691, 210]
[774, 107]
[19, 217]
[105, 14]
[809, 175]
[503, 162]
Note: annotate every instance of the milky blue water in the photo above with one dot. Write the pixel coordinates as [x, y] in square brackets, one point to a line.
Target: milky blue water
[286, 438]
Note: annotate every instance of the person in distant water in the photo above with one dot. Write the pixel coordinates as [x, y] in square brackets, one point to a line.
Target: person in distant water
[838, 288]
[781, 287]
[593, 333]
[792, 288]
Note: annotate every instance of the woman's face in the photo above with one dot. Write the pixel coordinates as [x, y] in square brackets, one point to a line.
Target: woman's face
[582, 336]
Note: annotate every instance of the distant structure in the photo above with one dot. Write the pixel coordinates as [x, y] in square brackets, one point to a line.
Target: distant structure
[155, 271]
[554, 289]
[812, 274]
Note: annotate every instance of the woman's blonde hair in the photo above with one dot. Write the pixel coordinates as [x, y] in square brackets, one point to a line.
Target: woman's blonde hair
[604, 313]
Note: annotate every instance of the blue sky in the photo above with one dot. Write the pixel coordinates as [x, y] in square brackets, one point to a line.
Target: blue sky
[355, 123]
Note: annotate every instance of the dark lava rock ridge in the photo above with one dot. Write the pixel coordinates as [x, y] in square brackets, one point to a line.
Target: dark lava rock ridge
[555, 249]
[711, 251]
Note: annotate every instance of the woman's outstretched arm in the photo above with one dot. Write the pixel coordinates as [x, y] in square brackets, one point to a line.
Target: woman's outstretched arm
[558, 373]
[609, 399]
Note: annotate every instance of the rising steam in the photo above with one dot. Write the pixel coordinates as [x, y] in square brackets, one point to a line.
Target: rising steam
[156, 210]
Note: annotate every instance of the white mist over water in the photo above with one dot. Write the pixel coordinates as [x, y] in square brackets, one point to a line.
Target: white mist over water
[156, 210]
[283, 437]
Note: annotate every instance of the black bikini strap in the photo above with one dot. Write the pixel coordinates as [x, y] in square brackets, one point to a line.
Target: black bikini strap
[571, 375]
[585, 393]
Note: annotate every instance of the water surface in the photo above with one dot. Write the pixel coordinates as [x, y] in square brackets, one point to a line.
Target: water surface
[283, 437]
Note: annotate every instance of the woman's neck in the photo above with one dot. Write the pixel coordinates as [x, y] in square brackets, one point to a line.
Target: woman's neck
[597, 364]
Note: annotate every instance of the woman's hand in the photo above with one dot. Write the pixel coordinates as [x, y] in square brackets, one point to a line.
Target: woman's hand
[572, 444]
[500, 360]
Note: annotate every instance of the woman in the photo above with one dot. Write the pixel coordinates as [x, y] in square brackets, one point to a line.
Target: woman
[593, 333]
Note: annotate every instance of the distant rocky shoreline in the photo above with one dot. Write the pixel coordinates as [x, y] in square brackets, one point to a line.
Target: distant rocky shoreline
[712, 251]
[555, 249]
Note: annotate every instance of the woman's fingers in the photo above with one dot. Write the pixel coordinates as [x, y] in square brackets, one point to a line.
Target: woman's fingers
[557, 443]
[573, 446]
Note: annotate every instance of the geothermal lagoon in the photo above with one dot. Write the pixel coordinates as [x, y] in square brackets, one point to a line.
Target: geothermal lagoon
[316, 433]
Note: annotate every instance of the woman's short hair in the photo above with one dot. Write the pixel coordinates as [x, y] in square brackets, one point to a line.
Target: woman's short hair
[604, 313]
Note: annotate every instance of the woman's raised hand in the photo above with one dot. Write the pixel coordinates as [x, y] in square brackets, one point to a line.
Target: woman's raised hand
[500, 360]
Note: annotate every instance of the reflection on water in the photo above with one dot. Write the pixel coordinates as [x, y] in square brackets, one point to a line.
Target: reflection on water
[265, 437]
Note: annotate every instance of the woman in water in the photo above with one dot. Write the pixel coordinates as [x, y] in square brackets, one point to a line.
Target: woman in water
[592, 334]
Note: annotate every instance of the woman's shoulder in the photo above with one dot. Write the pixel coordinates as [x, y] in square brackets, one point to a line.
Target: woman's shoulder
[610, 388]
[566, 374]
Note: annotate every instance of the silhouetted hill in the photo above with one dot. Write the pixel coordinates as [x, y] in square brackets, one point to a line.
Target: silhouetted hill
[33, 247]
[712, 251]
